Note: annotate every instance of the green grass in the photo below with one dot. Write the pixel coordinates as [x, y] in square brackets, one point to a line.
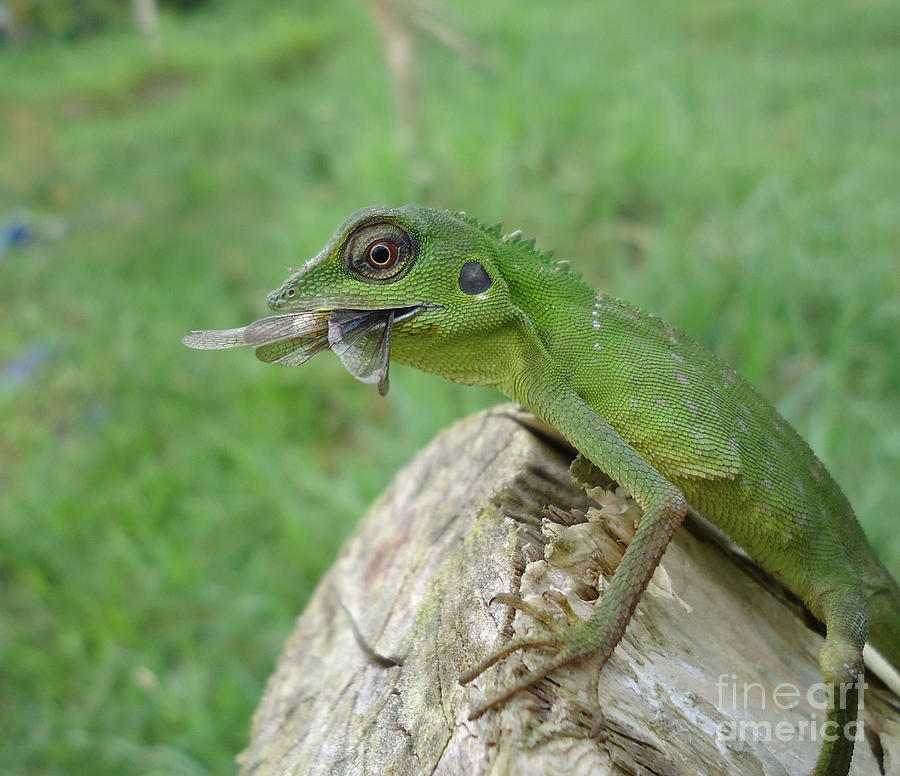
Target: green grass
[164, 514]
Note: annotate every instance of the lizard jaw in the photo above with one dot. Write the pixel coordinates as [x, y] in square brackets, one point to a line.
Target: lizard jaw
[283, 300]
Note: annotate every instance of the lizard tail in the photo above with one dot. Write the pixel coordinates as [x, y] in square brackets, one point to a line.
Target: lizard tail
[884, 628]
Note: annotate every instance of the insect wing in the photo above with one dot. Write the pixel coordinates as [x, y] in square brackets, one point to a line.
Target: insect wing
[292, 351]
[311, 324]
[362, 340]
[287, 340]
[215, 339]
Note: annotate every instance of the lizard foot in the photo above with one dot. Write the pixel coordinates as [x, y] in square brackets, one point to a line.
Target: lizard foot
[557, 636]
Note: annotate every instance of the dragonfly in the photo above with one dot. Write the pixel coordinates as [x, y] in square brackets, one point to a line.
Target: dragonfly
[360, 338]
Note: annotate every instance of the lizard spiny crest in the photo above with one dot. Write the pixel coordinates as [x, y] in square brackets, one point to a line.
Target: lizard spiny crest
[527, 245]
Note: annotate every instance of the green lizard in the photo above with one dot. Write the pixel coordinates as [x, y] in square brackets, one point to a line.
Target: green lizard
[646, 404]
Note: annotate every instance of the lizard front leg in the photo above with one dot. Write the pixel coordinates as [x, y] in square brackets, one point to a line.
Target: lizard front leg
[664, 509]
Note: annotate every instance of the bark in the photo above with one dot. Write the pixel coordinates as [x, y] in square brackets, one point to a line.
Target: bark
[368, 682]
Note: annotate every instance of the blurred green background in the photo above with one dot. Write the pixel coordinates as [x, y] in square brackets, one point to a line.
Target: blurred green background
[164, 514]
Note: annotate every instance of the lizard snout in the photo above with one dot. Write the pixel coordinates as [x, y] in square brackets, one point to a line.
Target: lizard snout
[274, 298]
[280, 297]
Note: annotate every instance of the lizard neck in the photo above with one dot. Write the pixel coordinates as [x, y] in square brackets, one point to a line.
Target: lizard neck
[529, 333]
[553, 307]
[490, 359]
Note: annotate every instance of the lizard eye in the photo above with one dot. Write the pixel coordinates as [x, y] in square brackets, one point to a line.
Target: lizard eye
[380, 252]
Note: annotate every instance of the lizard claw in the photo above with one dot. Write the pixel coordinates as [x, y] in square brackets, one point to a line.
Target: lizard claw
[567, 655]
[556, 637]
[542, 615]
[507, 649]
[523, 684]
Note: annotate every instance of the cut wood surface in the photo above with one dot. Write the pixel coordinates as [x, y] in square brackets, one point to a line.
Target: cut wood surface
[712, 676]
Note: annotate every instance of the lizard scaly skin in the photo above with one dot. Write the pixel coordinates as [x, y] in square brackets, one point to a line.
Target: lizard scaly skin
[652, 408]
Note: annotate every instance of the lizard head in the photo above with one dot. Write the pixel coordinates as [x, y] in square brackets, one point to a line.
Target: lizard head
[437, 275]
[382, 258]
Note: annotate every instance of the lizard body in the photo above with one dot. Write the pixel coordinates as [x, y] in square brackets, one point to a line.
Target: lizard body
[648, 405]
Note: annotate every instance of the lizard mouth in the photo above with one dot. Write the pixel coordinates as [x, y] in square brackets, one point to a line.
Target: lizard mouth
[360, 337]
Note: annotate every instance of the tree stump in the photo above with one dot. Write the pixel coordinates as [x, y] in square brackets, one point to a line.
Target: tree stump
[712, 676]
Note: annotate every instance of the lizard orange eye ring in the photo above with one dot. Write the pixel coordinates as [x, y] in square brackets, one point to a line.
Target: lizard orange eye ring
[379, 252]
[382, 254]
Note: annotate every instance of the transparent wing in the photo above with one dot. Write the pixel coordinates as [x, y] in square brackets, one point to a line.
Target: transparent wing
[279, 327]
[292, 351]
[305, 334]
[215, 339]
[362, 340]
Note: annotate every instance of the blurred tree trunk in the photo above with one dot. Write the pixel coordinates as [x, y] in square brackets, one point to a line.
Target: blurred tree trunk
[402, 26]
[394, 19]
[146, 19]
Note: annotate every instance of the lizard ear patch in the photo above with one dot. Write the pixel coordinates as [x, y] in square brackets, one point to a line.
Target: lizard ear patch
[474, 279]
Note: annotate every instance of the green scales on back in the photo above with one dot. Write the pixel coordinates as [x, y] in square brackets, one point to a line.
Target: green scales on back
[649, 406]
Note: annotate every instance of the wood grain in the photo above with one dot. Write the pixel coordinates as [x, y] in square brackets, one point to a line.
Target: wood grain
[368, 682]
